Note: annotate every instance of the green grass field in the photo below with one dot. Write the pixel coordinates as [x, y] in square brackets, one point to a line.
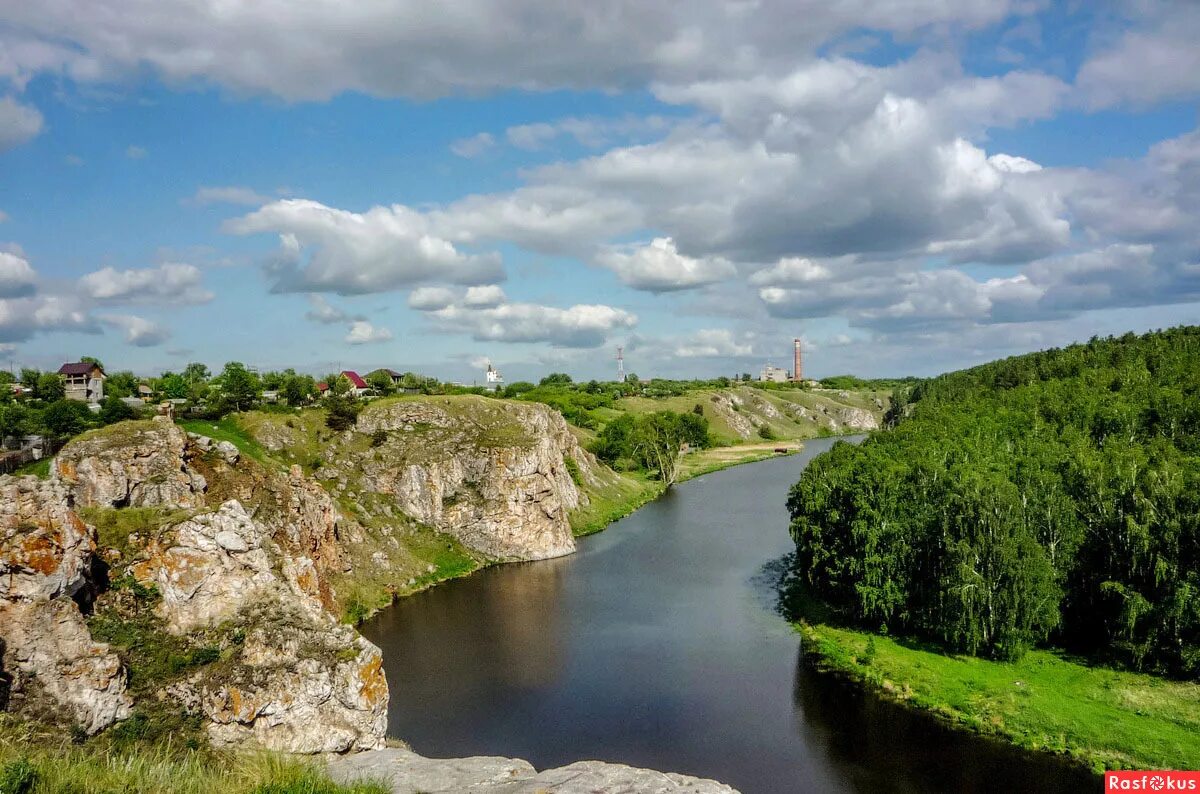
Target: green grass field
[1104, 718]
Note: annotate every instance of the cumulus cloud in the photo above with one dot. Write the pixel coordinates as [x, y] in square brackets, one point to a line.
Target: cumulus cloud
[473, 146]
[322, 311]
[21, 318]
[578, 326]
[350, 253]
[401, 48]
[1156, 60]
[659, 267]
[484, 297]
[230, 194]
[713, 343]
[137, 331]
[427, 299]
[18, 123]
[364, 333]
[17, 277]
[169, 283]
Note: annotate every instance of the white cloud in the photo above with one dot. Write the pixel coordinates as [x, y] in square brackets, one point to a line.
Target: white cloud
[659, 267]
[401, 48]
[322, 311]
[1154, 61]
[577, 326]
[18, 123]
[382, 249]
[473, 146]
[484, 297]
[21, 318]
[137, 331]
[17, 278]
[135, 152]
[427, 299]
[169, 283]
[792, 270]
[364, 333]
[230, 194]
[713, 343]
[593, 132]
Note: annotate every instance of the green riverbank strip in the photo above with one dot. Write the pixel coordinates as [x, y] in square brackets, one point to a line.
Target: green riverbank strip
[1103, 718]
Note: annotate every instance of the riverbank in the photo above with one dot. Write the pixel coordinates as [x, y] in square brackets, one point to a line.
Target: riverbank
[1046, 702]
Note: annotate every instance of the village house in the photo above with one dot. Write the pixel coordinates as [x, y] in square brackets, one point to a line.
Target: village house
[358, 386]
[84, 381]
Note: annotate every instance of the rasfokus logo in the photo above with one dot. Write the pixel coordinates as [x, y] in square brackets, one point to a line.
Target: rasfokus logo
[1152, 781]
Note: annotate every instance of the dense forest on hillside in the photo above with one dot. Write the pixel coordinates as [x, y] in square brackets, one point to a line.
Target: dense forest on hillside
[1046, 498]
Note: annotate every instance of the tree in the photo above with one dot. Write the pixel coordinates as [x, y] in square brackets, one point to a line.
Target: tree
[240, 388]
[50, 387]
[12, 420]
[341, 406]
[381, 382]
[114, 409]
[196, 372]
[297, 389]
[172, 386]
[29, 379]
[91, 360]
[7, 377]
[518, 388]
[556, 379]
[121, 384]
[65, 418]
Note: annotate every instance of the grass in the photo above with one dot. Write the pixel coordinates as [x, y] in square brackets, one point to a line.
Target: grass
[38, 468]
[1047, 701]
[228, 429]
[617, 497]
[114, 526]
[706, 461]
[35, 763]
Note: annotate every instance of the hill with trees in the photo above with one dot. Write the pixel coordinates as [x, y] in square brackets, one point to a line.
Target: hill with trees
[1050, 498]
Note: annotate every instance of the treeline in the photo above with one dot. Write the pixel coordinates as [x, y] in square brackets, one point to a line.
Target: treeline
[1046, 498]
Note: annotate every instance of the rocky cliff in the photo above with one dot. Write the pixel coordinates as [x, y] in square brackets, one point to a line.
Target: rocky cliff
[257, 657]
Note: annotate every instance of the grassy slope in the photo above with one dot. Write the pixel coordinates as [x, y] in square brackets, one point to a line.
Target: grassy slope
[1104, 718]
[35, 762]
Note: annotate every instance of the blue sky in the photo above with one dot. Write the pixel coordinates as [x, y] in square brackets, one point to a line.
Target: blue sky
[911, 186]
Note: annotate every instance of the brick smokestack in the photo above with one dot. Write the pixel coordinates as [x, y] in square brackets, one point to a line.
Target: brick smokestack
[797, 361]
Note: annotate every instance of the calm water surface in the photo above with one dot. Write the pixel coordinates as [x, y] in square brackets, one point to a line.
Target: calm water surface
[657, 645]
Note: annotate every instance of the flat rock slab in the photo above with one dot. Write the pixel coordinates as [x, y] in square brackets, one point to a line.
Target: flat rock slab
[409, 773]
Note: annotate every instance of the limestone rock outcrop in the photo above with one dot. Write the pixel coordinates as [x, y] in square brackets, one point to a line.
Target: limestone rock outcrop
[133, 464]
[855, 419]
[299, 685]
[497, 478]
[46, 560]
[408, 773]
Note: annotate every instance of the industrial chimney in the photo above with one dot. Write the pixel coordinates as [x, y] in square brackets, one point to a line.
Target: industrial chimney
[797, 362]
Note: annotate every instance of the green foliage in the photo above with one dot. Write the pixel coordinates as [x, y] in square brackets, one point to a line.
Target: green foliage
[651, 441]
[379, 438]
[12, 420]
[50, 387]
[121, 384]
[381, 382]
[518, 388]
[172, 386]
[343, 410]
[556, 379]
[575, 405]
[240, 388]
[573, 470]
[1048, 498]
[115, 410]
[18, 777]
[297, 389]
[765, 432]
[65, 418]
[29, 379]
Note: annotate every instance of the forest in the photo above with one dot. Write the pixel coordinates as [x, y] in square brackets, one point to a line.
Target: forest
[1045, 499]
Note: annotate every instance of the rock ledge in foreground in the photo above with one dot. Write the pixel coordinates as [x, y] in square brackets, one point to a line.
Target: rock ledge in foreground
[409, 773]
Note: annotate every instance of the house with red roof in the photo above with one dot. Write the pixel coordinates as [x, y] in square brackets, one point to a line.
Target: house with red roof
[358, 386]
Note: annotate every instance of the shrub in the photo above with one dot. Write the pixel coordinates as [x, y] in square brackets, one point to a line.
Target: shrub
[18, 777]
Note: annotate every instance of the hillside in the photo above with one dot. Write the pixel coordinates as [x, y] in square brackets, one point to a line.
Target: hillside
[1047, 498]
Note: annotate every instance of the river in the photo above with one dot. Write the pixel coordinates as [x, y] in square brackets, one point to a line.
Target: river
[657, 645]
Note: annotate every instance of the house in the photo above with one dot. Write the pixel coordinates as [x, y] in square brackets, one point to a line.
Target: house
[84, 381]
[495, 381]
[397, 377]
[145, 392]
[358, 386]
[322, 389]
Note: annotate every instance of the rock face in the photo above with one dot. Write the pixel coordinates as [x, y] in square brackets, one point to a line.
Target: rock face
[134, 464]
[498, 479]
[408, 773]
[299, 685]
[46, 559]
[856, 419]
[300, 682]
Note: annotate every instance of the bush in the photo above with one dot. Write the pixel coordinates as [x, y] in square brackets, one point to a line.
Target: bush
[378, 438]
[18, 777]
[765, 431]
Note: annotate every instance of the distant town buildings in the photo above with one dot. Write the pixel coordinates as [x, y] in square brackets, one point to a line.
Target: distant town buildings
[772, 374]
[495, 381]
[83, 380]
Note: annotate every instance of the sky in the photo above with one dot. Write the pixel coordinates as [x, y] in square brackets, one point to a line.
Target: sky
[911, 186]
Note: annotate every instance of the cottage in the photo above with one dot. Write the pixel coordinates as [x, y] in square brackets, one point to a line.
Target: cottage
[84, 381]
[145, 392]
[358, 386]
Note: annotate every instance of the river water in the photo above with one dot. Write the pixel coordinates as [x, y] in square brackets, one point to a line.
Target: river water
[657, 645]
